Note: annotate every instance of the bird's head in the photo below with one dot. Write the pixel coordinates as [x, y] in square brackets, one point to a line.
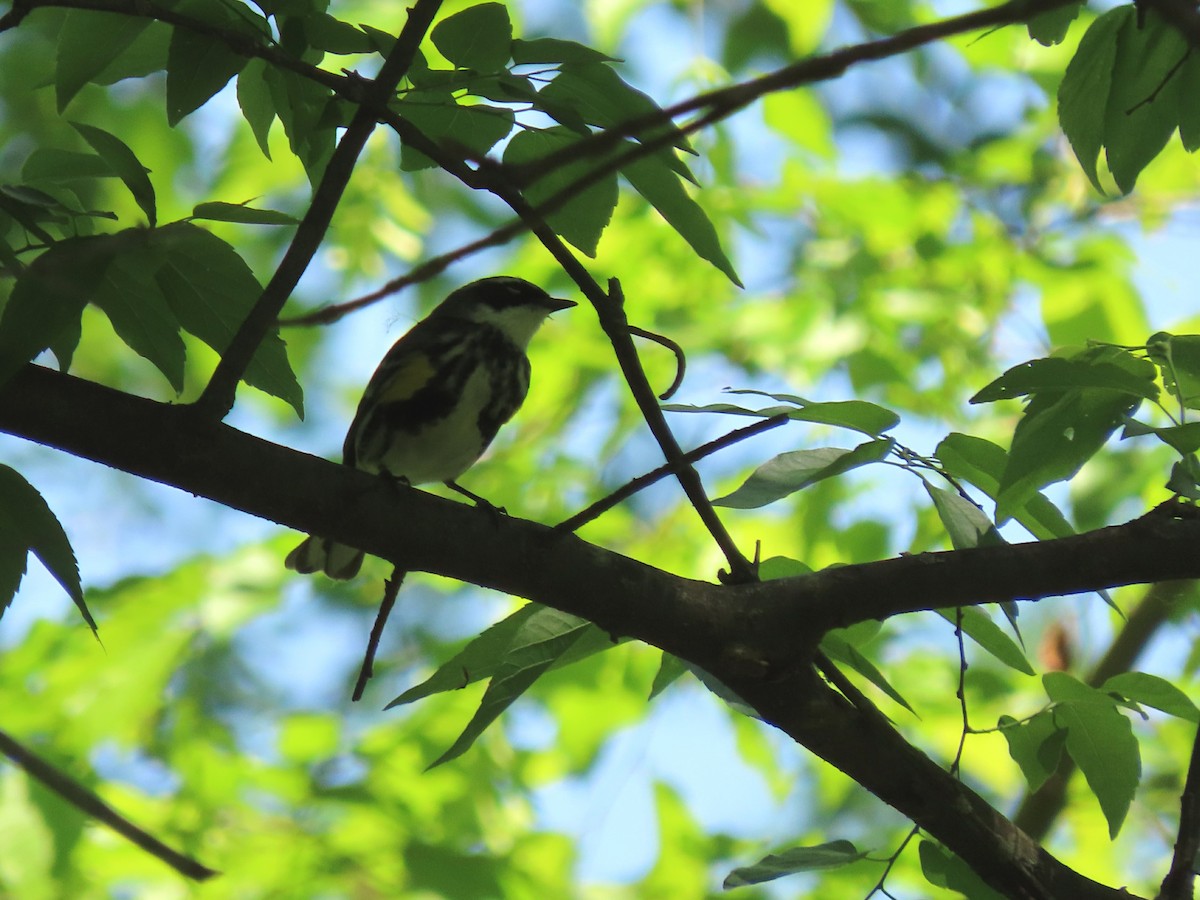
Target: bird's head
[513, 306]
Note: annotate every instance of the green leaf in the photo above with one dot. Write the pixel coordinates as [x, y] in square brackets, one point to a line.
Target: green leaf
[301, 106]
[48, 299]
[839, 645]
[670, 669]
[1061, 430]
[87, 43]
[979, 627]
[254, 100]
[539, 641]
[945, 870]
[661, 186]
[797, 469]
[831, 855]
[966, 523]
[1150, 690]
[781, 567]
[335, 36]
[479, 659]
[1101, 742]
[981, 463]
[554, 50]
[28, 524]
[1143, 102]
[140, 315]
[601, 97]
[457, 127]
[477, 38]
[212, 290]
[1178, 359]
[1084, 91]
[217, 211]
[145, 56]
[857, 415]
[1049, 28]
[1189, 109]
[198, 65]
[54, 165]
[583, 218]
[1183, 438]
[723, 691]
[1058, 373]
[1035, 745]
[122, 160]
[383, 41]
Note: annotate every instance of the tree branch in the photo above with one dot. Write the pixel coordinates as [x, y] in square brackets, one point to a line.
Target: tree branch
[864, 746]
[1180, 879]
[757, 638]
[217, 398]
[91, 805]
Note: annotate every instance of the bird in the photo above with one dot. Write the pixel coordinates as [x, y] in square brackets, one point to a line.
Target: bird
[438, 397]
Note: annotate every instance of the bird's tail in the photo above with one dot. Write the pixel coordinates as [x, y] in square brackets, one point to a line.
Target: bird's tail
[317, 554]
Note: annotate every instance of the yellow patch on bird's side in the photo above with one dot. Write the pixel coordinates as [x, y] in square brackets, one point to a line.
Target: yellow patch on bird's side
[407, 379]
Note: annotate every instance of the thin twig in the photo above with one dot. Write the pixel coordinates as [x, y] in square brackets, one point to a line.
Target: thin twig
[961, 692]
[892, 860]
[680, 357]
[642, 482]
[391, 589]
[426, 270]
[91, 805]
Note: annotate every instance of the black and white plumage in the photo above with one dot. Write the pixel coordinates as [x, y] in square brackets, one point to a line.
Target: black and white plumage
[439, 396]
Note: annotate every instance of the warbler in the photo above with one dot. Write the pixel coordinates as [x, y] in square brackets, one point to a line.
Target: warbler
[439, 396]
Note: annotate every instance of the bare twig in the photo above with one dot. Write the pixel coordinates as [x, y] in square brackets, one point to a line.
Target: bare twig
[961, 692]
[218, 395]
[91, 805]
[892, 860]
[680, 357]
[390, 591]
[642, 482]
[426, 270]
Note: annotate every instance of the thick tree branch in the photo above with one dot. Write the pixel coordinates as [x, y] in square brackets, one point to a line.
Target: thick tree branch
[757, 638]
[772, 623]
[864, 746]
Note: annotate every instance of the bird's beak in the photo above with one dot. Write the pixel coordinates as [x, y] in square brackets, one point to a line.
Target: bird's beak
[557, 303]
